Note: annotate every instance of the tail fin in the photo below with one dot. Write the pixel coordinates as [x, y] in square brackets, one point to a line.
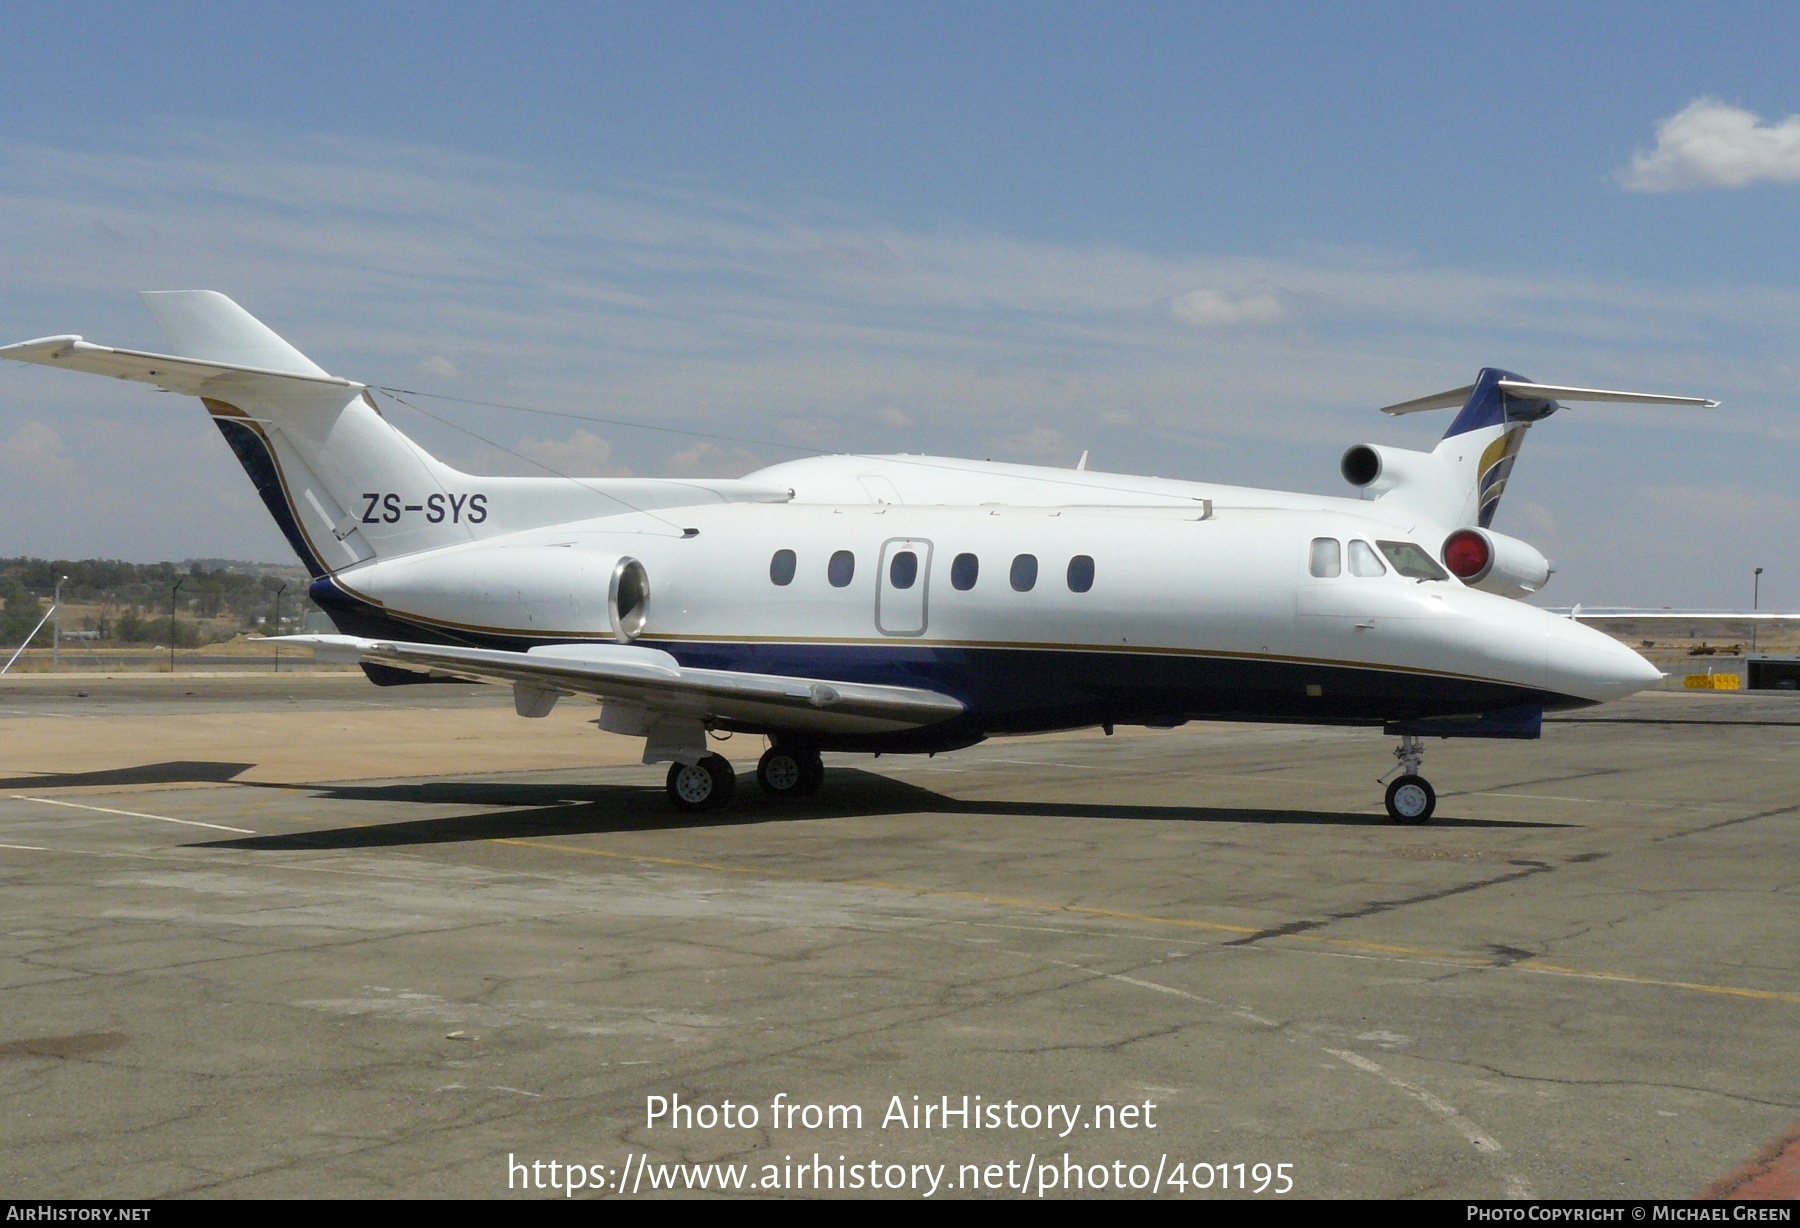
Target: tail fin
[344, 485]
[1462, 480]
[329, 468]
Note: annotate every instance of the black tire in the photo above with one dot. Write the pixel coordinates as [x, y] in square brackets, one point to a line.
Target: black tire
[1411, 800]
[782, 773]
[815, 772]
[707, 785]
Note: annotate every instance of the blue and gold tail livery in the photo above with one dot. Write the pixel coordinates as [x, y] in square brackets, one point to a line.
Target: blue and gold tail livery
[1459, 482]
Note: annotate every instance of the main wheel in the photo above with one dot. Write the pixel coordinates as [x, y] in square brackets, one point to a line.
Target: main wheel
[781, 772]
[706, 785]
[813, 772]
[1411, 799]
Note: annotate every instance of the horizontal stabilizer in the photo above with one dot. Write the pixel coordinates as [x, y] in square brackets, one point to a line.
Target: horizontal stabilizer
[1437, 400]
[1525, 391]
[191, 376]
[652, 679]
[1556, 392]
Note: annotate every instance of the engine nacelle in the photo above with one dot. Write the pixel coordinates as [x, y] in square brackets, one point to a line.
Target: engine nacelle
[1496, 563]
[528, 590]
[1420, 479]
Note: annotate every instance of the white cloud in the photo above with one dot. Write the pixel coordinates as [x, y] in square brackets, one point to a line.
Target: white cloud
[1041, 445]
[1711, 144]
[582, 455]
[817, 328]
[36, 451]
[710, 460]
[438, 367]
[1215, 308]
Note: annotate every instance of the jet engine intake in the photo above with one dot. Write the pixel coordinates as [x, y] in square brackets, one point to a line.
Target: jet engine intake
[553, 591]
[1496, 563]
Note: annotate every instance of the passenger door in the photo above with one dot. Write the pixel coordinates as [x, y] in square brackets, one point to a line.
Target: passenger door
[901, 586]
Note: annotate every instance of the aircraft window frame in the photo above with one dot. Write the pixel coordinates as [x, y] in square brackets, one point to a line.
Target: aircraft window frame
[782, 566]
[1417, 564]
[1024, 573]
[1320, 567]
[909, 569]
[841, 569]
[1362, 554]
[965, 570]
[1081, 568]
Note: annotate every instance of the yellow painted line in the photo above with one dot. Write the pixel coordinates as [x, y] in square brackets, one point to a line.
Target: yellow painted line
[1766, 995]
[880, 885]
[1111, 914]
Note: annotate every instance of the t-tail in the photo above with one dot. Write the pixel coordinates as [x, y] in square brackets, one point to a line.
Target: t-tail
[1459, 483]
[344, 484]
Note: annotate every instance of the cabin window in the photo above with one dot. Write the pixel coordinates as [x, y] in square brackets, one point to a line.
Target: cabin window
[963, 570]
[1364, 561]
[842, 569]
[1411, 561]
[1327, 557]
[903, 569]
[781, 567]
[1081, 573]
[1024, 573]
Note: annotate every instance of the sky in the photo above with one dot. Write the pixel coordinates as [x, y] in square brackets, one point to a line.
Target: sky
[1195, 241]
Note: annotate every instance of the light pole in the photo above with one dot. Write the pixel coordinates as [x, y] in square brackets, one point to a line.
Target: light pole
[56, 628]
[176, 588]
[1755, 603]
[278, 593]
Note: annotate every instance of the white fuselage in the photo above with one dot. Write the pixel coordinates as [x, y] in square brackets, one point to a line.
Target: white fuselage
[1178, 570]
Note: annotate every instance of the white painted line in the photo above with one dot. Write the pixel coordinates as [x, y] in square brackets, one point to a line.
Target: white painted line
[133, 814]
[29, 848]
[1515, 1186]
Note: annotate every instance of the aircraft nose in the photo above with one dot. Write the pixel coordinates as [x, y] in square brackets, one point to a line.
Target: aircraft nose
[1584, 662]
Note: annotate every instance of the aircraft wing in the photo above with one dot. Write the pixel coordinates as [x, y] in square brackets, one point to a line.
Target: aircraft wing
[652, 679]
[1740, 618]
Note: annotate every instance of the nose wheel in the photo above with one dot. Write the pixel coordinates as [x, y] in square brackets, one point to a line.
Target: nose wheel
[1410, 798]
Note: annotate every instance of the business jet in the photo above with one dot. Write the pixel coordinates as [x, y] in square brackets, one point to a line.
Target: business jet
[905, 604]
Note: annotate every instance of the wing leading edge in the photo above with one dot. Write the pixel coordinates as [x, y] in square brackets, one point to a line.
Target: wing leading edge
[652, 680]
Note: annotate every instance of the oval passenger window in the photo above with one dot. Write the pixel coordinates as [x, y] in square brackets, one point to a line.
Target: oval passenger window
[781, 567]
[1081, 573]
[841, 568]
[903, 569]
[1024, 573]
[963, 570]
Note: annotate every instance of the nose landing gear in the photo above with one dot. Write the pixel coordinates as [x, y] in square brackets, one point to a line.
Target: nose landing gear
[1410, 798]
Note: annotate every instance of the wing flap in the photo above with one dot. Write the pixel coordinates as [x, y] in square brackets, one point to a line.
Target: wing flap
[652, 679]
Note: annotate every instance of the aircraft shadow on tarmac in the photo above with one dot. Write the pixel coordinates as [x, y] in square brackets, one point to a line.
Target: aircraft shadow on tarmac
[175, 772]
[576, 809]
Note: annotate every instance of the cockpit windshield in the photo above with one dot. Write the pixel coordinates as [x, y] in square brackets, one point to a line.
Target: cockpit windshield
[1411, 561]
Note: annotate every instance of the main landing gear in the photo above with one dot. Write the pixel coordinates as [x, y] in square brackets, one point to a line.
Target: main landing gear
[783, 772]
[706, 785]
[1410, 799]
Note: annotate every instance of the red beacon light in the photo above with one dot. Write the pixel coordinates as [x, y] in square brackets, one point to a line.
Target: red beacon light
[1467, 554]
